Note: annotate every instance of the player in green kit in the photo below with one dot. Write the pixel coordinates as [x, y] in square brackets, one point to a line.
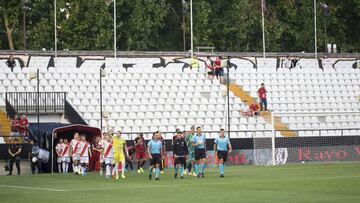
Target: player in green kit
[191, 157]
[222, 146]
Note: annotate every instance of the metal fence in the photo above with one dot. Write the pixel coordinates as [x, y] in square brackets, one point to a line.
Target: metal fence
[31, 102]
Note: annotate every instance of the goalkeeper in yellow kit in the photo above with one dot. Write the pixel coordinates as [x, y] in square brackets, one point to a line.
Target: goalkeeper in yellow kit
[119, 146]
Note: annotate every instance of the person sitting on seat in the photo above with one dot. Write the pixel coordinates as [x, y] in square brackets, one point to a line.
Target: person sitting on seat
[11, 62]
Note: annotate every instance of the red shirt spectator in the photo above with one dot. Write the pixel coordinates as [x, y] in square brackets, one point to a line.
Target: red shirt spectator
[15, 124]
[262, 92]
[23, 125]
[217, 63]
[254, 107]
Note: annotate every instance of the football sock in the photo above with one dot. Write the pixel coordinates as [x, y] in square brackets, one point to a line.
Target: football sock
[157, 172]
[181, 171]
[176, 169]
[123, 168]
[63, 166]
[196, 168]
[203, 168]
[59, 167]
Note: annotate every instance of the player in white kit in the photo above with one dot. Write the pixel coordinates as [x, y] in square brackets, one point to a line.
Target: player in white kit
[65, 156]
[75, 145]
[58, 150]
[85, 152]
[108, 156]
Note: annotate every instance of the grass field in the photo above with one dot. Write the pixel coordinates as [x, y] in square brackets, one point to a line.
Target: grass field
[289, 183]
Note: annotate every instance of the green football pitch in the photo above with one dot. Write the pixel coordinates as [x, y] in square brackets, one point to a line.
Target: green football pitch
[287, 183]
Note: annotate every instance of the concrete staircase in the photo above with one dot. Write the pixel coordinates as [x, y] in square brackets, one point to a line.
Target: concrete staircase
[239, 92]
[5, 123]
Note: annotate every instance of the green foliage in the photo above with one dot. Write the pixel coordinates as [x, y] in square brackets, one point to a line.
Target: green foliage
[157, 25]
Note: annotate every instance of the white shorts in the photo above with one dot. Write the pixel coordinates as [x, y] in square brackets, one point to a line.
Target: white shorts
[109, 160]
[59, 159]
[84, 160]
[65, 159]
[76, 157]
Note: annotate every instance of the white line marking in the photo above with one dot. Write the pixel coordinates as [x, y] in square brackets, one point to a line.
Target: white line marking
[33, 188]
[217, 183]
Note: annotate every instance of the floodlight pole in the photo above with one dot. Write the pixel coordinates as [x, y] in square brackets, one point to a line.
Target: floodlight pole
[191, 29]
[263, 26]
[315, 33]
[55, 30]
[38, 102]
[114, 29]
[101, 112]
[228, 94]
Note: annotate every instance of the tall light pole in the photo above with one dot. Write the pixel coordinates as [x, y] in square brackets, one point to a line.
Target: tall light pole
[55, 35]
[263, 26]
[315, 33]
[114, 28]
[326, 13]
[191, 29]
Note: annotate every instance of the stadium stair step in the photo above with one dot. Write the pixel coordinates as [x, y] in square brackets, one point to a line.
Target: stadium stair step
[244, 96]
[5, 124]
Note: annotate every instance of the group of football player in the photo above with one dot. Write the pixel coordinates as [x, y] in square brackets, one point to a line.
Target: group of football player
[188, 147]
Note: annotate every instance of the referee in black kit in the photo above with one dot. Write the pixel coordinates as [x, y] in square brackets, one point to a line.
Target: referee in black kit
[180, 151]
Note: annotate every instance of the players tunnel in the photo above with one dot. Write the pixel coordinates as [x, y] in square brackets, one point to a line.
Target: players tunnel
[67, 132]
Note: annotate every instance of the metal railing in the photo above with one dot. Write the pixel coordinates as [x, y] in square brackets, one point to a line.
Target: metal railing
[31, 102]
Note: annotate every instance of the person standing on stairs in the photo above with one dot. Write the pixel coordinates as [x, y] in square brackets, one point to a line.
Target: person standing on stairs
[262, 97]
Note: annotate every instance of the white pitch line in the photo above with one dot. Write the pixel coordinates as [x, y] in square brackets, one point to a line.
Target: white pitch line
[217, 183]
[33, 188]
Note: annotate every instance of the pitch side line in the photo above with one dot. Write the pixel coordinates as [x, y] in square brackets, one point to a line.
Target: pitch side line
[33, 188]
[217, 183]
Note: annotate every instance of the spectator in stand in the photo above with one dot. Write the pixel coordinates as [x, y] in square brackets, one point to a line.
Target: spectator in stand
[287, 62]
[23, 128]
[15, 126]
[11, 62]
[219, 69]
[254, 109]
[14, 151]
[262, 97]
[210, 67]
[195, 63]
[245, 110]
[294, 62]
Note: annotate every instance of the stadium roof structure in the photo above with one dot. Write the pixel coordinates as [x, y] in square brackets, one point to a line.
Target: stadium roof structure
[81, 129]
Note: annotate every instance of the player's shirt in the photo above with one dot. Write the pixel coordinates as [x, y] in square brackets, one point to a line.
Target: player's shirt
[59, 148]
[75, 146]
[222, 143]
[199, 139]
[141, 146]
[65, 149]
[188, 140]
[118, 144]
[155, 146]
[108, 149]
[84, 149]
[180, 147]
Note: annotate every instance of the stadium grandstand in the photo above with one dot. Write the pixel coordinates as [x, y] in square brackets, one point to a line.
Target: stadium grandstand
[179, 101]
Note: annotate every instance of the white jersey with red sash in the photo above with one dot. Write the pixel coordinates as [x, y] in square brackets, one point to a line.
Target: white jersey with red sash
[84, 149]
[75, 145]
[108, 152]
[59, 150]
[65, 152]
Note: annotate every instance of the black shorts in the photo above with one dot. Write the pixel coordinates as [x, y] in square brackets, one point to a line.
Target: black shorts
[180, 160]
[219, 72]
[156, 159]
[222, 155]
[211, 73]
[200, 154]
